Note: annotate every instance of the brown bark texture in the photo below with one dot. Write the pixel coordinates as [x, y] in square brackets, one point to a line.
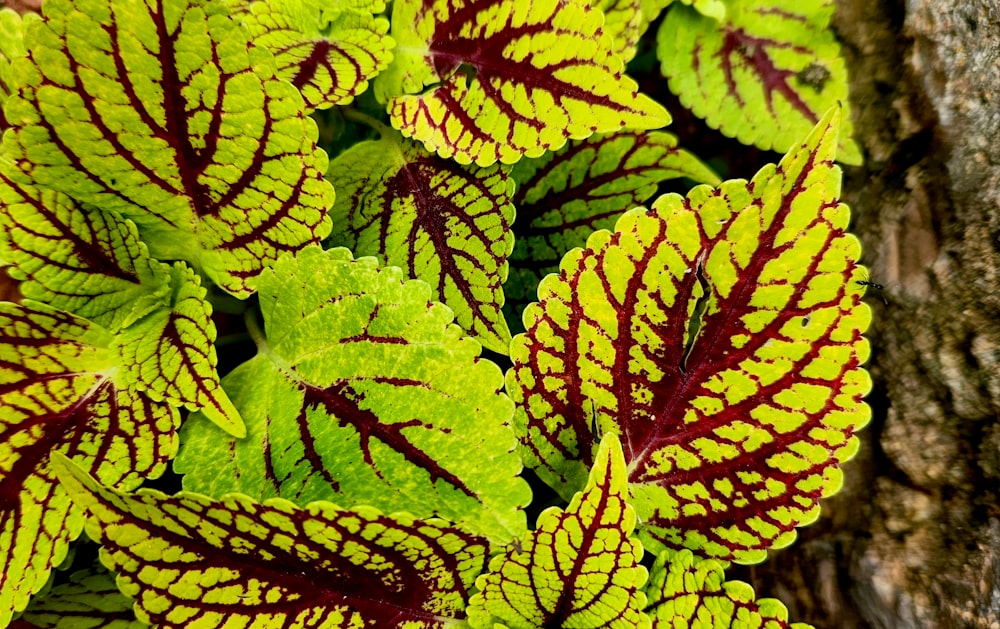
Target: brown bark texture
[913, 539]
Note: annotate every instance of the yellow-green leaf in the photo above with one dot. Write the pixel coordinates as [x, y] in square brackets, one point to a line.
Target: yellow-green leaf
[764, 74]
[11, 48]
[721, 336]
[446, 224]
[191, 561]
[507, 78]
[58, 393]
[329, 51]
[579, 568]
[685, 592]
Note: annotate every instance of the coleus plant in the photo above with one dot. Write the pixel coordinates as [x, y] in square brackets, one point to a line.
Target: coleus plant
[688, 380]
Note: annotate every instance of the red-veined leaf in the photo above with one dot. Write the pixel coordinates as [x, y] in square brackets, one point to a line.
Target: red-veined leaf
[507, 78]
[446, 224]
[89, 600]
[11, 47]
[763, 75]
[166, 115]
[578, 569]
[720, 336]
[626, 20]
[58, 394]
[190, 561]
[565, 196]
[329, 51]
[685, 592]
[363, 392]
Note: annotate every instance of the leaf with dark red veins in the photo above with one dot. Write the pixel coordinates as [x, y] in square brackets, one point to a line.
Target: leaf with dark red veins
[58, 394]
[579, 568]
[80, 260]
[446, 224]
[191, 561]
[11, 47]
[685, 592]
[721, 336]
[170, 354]
[89, 600]
[167, 116]
[329, 51]
[764, 74]
[627, 20]
[507, 78]
[364, 393]
[565, 196]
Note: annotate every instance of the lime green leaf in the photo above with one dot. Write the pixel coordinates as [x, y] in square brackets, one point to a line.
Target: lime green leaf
[764, 75]
[564, 197]
[446, 224]
[11, 48]
[86, 262]
[720, 335]
[687, 592]
[167, 116]
[59, 395]
[578, 569]
[508, 78]
[192, 561]
[362, 393]
[626, 20]
[90, 599]
[328, 51]
[170, 353]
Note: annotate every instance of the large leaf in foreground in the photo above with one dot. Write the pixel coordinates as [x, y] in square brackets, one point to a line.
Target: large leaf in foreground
[446, 224]
[89, 600]
[578, 569]
[720, 336]
[763, 75]
[80, 260]
[564, 197]
[58, 394]
[508, 78]
[329, 51]
[165, 115]
[190, 561]
[363, 393]
[685, 592]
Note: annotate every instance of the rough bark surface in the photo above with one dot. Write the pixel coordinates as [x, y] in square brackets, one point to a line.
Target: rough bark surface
[913, 540]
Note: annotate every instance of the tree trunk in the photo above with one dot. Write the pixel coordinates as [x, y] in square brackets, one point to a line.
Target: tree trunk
[913, 540]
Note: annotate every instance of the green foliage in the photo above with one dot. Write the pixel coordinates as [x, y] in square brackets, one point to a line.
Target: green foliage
[689, 383]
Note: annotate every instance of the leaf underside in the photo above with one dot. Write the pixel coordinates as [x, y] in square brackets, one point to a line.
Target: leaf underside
[565, 196]
[507, 78]
[58, 396]
[174, 122]
[685, 592]
[443, 223]
[579, 568]
[362, 393]
[720, 336]
[764, 75]
[190, 561]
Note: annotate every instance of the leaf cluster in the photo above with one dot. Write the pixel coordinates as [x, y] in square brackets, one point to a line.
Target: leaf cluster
[349, 275]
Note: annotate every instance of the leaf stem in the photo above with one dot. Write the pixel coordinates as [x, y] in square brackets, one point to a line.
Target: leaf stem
[384, 131]
[253, 328]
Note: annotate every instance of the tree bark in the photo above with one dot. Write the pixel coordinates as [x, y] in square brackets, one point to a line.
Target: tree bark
[913, 540]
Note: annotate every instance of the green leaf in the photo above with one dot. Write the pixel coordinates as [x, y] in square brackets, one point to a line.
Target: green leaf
[168, 117]
[80, 260]
[687, 592]
[578, 569]
[362, 393]
[626, 20]
[90, 599]
[192, 561]
[763, 75]
[721, 336]
[507, 78]
[170, 354]
[446, 224]
[328, 51]
[565, 196]
[11, 48]
[58, 393]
